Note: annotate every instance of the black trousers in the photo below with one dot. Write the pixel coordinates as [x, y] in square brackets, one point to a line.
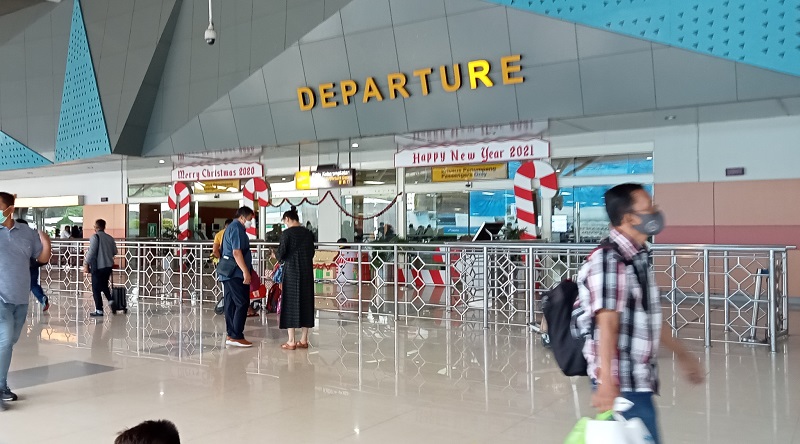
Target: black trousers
[237, 299]
[100, 279]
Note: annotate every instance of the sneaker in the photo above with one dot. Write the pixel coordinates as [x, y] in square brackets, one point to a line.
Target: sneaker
[244, 343]
[96, 314]
[46, 305]
[8, 395]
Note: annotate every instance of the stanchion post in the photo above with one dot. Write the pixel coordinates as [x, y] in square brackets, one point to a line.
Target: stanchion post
[773, 328]
[485, 289]
[707, 300]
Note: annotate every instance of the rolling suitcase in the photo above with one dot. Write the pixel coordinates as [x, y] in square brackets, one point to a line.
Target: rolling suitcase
[119, 298]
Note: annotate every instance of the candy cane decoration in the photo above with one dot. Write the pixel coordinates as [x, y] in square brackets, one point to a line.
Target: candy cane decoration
[180, 200]
[256, 187]
[532, 176]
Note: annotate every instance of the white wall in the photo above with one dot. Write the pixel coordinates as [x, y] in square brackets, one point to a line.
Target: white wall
[92, 186]
[767, 149]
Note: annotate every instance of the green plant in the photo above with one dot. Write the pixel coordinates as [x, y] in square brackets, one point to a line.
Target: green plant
[514, 233]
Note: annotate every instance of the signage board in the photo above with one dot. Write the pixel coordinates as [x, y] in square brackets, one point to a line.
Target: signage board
[152, 230]
[200, 173]
[465, 173]
[474, 153]
[474, 74]
[217, 186]
[316, 180]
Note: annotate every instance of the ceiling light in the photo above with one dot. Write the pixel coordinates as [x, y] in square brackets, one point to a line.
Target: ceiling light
[355, 145]
[283, 178]
[671, 117]
[162, 161]
[649, 157]
[558, 171]
[457, 209]
[486, 193]
[373, 182]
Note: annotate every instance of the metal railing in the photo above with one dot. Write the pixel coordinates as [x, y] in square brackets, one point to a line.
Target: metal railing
[711, 292]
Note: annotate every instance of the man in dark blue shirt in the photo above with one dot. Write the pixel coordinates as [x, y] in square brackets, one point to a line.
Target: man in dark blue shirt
[236, 246]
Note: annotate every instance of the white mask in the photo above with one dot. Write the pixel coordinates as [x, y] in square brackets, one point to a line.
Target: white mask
[248, 224]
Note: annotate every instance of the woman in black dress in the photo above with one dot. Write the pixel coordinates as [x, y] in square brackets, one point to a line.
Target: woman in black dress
[296, 252]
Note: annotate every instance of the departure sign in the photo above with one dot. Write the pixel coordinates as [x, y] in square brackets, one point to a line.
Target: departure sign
[316, 180]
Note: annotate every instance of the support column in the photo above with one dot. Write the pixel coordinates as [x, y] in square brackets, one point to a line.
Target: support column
[547, 220]
[402, 214]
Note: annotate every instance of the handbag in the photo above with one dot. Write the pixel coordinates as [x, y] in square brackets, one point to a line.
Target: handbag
[277, 274]
[227, 266]
[610, 427]
[255, 281]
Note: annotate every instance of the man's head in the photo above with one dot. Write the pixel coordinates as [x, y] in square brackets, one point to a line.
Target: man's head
[630, 209]
[150, 432]
[100, 225]
[245, 215]
[6, 208]
[228, 222]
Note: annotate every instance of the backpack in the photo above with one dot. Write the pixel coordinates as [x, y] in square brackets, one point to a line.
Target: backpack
[561, 314]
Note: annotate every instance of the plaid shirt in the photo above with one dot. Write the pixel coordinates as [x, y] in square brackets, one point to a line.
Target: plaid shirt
[608, 281]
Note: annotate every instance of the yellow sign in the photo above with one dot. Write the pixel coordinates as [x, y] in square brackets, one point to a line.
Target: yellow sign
[315, 180]
[216, 187]
[470, 172]
[478, 72]
[302, 180]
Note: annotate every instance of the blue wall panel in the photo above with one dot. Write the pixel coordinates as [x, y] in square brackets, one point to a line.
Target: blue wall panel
[82, 132]
[15, 156]
[763, 33]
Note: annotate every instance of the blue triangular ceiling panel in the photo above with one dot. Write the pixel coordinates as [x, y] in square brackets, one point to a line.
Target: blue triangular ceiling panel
[762, 33]
[16, 156]
[82, 132]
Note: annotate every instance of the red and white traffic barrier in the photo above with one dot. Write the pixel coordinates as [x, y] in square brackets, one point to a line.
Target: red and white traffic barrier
[532, 176]
[180, 201]
[256, 189]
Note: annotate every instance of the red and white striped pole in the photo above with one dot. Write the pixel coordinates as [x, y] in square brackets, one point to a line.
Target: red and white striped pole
[256, 188]
[179, 201]
[532, 176]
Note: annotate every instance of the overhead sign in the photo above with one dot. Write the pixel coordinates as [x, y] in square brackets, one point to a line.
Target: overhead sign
[217, 186]
[315, 180]
[489, 152]
[200, 173]
[475, 73]
[470, 172]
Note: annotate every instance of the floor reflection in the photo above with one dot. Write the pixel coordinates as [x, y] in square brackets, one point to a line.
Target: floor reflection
[378, 378]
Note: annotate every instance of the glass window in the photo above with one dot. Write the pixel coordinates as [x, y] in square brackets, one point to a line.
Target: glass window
[151, 221]
[376, 177]
[586, 205]
[449, 216]
[149, 190]
[308, 214]
[358, 230]
[597, 166]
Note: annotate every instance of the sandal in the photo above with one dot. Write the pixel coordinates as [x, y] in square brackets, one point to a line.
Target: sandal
[286, 346]
[302, 345]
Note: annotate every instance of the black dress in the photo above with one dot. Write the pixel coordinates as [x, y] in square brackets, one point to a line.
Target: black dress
[296, 251]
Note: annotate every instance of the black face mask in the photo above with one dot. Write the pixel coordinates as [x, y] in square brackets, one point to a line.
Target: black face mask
[652, 224]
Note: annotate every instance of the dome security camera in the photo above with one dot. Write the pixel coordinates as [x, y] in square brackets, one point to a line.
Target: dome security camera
[210, 34]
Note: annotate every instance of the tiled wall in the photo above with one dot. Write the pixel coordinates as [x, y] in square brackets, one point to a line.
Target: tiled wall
[742, 213]
[115, 216]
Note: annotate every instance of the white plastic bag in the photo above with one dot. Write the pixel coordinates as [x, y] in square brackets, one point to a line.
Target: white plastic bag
[619, 431]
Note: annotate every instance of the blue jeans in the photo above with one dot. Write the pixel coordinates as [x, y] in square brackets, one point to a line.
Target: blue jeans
[237, 300]
[36, 288]
[12, 319]
[645, 409]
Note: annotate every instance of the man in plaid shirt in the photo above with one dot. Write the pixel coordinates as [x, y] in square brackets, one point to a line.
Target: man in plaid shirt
[620, 300]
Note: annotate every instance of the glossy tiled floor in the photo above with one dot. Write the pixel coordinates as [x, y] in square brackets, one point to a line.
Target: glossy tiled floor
[82, 381]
